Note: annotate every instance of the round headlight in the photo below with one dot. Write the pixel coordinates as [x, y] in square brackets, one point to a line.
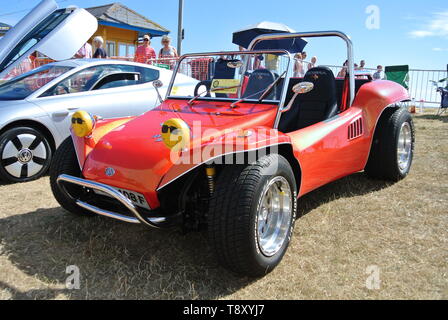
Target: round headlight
[175, 134]
[82, 123]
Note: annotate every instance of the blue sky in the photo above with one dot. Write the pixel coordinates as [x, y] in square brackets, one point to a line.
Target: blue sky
[410, 32]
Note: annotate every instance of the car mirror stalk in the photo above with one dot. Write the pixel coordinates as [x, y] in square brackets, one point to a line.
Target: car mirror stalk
[157, 84]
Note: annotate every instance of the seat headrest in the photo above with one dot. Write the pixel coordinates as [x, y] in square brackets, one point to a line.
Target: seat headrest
[323, 80]
[259, 80]
[319, 74]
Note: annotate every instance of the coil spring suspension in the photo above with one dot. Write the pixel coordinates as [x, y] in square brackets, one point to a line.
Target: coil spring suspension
[210, 171]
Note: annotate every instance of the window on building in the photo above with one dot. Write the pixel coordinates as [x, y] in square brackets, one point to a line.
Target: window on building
[111, 48]
[126, 50]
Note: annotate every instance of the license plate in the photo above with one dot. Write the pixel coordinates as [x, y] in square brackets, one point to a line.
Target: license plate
[136, 198]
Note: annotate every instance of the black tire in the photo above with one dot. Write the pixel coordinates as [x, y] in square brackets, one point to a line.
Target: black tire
[383, 160]
[25, 155]
[66, 162]
[232, 217]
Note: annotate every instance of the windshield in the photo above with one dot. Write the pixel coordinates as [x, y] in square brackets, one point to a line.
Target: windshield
[234, 76]
[21, 87]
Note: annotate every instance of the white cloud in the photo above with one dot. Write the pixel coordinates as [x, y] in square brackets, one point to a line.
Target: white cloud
[436, 26]
[439, 49]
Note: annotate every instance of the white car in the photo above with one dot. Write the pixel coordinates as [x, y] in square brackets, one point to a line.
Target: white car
[36, 107]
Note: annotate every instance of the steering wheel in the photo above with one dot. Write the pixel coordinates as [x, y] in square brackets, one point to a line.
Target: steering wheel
[60, 89]
[207, 84]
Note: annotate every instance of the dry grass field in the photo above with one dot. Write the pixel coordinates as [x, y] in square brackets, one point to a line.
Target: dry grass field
[345, 227]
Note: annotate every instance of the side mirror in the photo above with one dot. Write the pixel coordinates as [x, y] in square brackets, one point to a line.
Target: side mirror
[235, 64]
[157, 84]
[303, 87]
[300, 88]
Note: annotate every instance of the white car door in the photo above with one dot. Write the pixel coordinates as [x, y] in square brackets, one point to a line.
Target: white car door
[58, 34]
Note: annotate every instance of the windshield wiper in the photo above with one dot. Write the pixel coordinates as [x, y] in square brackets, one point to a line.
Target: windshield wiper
[264, 94]
[271, 86]
[212, 90]
[190, 102]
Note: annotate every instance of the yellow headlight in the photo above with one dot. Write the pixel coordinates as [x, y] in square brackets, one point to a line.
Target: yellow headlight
[82, 123]
[176, 134]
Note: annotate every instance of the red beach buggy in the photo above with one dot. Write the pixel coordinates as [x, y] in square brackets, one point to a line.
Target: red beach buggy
[234, 156]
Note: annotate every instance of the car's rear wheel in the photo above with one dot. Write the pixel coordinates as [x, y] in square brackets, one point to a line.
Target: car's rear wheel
[252, 215]
[393, 146]
[66, 162]
[25, 155]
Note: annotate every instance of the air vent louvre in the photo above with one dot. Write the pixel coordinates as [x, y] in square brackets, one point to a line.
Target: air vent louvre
[355, 129]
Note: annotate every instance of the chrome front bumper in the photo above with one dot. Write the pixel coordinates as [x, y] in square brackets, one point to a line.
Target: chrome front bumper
[155, 222]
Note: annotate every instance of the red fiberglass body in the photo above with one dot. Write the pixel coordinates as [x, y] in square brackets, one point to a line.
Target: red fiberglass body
[324, 151]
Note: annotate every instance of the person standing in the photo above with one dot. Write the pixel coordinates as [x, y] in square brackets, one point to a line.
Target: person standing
[145, 52]
[343, 72]
[299, 70]
[85, 52]
[100, 53]
[379, 74]
[168, 53]
[304, 62]
[313, 63]
[361, 66]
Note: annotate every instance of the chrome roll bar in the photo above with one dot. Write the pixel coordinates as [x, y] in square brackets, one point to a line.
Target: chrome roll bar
[316, 34]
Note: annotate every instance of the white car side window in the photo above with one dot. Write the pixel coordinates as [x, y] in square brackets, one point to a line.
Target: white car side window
[81, 81]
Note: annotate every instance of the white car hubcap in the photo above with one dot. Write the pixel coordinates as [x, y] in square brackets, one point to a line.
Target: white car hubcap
[24, 156]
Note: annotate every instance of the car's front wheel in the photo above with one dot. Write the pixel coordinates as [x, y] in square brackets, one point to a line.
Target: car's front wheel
[25, 155]
[252, 215]
[66, 162]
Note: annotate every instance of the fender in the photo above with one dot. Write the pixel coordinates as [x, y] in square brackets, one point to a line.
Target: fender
[229, 144]
[83, 146]
[375, 97]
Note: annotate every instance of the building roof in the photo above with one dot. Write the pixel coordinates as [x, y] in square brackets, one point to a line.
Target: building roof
[118, 15]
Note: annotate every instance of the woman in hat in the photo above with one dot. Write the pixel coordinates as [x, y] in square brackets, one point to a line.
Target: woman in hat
[145, 52]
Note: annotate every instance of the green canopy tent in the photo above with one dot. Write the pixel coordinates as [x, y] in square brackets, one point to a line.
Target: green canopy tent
[398, 74]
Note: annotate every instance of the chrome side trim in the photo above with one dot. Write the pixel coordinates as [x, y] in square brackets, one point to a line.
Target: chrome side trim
[152, 222]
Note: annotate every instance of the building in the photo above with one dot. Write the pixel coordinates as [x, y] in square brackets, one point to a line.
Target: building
[4, 28]
[121, 28]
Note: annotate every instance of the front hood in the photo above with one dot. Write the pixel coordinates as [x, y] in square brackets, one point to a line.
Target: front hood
[139, 156]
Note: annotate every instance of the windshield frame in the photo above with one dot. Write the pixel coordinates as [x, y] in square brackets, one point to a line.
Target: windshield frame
[245, 68]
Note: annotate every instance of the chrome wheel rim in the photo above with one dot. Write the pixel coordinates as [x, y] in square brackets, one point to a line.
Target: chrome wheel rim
[274, 216]
[24, 156]
[404, 148]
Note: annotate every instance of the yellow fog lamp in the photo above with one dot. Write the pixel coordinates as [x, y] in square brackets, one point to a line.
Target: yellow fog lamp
[176, 134]
[83, 123]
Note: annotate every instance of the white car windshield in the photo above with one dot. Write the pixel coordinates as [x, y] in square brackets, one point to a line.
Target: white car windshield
[22, 86]
[234, 76]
